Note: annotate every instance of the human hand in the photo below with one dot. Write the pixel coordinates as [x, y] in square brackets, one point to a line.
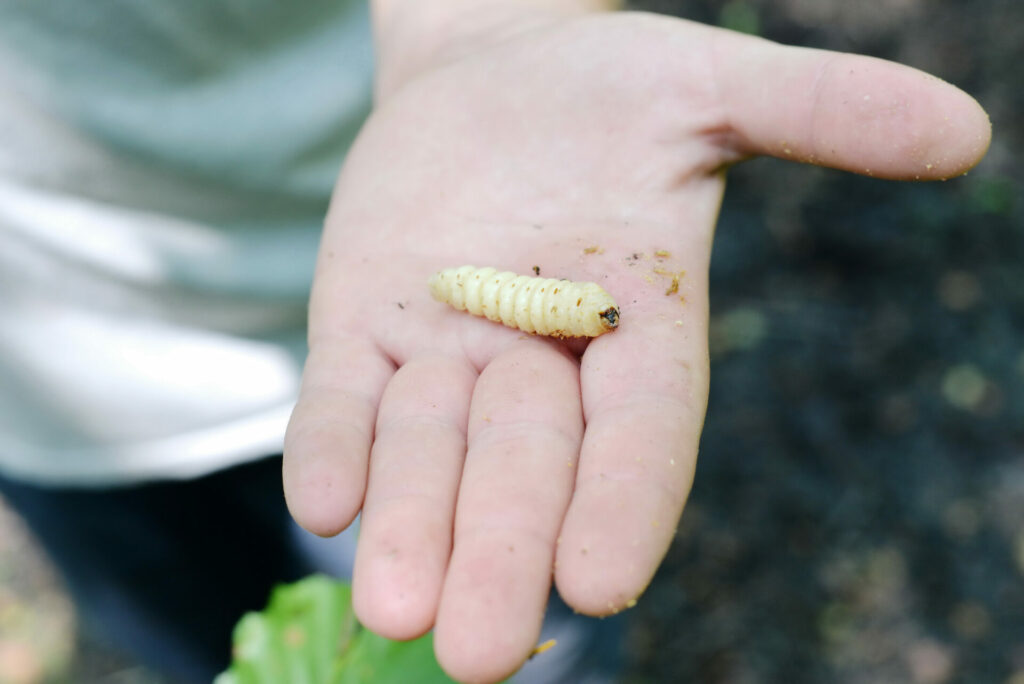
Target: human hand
[482, 459]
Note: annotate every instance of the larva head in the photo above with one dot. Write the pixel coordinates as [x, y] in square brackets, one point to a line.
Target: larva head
[609, 318]
[600, 314]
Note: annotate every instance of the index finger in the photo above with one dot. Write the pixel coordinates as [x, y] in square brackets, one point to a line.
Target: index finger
[644, 397]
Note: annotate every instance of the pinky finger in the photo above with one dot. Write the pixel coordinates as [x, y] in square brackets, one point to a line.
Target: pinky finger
[328, 441]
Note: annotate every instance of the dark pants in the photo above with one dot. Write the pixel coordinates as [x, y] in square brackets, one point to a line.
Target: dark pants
[165, 570]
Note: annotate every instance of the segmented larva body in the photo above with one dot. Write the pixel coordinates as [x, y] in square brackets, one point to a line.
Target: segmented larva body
[546, 306]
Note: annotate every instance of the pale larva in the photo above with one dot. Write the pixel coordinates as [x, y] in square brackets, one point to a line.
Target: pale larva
[546, 306]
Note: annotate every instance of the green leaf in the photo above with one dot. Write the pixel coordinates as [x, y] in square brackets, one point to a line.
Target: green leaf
[376, 659]
[308, 634]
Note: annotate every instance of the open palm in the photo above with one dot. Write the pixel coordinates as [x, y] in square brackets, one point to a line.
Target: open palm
[483, 459]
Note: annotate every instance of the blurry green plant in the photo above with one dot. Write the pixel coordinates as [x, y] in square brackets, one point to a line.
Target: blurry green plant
[741, 16]
[308, 634]
[993, 194]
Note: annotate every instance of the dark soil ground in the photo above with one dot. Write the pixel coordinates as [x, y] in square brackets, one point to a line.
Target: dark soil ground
[858, 511]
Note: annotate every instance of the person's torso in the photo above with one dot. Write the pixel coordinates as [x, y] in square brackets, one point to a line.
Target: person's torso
[164, 171]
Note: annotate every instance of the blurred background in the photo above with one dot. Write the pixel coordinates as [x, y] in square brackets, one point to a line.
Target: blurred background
[858, 511]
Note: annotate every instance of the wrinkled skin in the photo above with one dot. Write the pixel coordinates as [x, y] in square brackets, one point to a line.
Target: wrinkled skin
[484, 460]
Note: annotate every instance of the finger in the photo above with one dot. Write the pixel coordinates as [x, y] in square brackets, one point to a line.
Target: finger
[406, 525]
[644, 396]
[327, 443]
[524, 433]
[846, 111]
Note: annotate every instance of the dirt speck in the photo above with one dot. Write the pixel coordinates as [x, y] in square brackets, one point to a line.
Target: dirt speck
[550, 643]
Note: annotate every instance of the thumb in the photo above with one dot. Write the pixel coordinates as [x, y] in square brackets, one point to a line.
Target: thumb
[850, 112]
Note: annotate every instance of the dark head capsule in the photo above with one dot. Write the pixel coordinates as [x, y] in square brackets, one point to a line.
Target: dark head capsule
[611, 317]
